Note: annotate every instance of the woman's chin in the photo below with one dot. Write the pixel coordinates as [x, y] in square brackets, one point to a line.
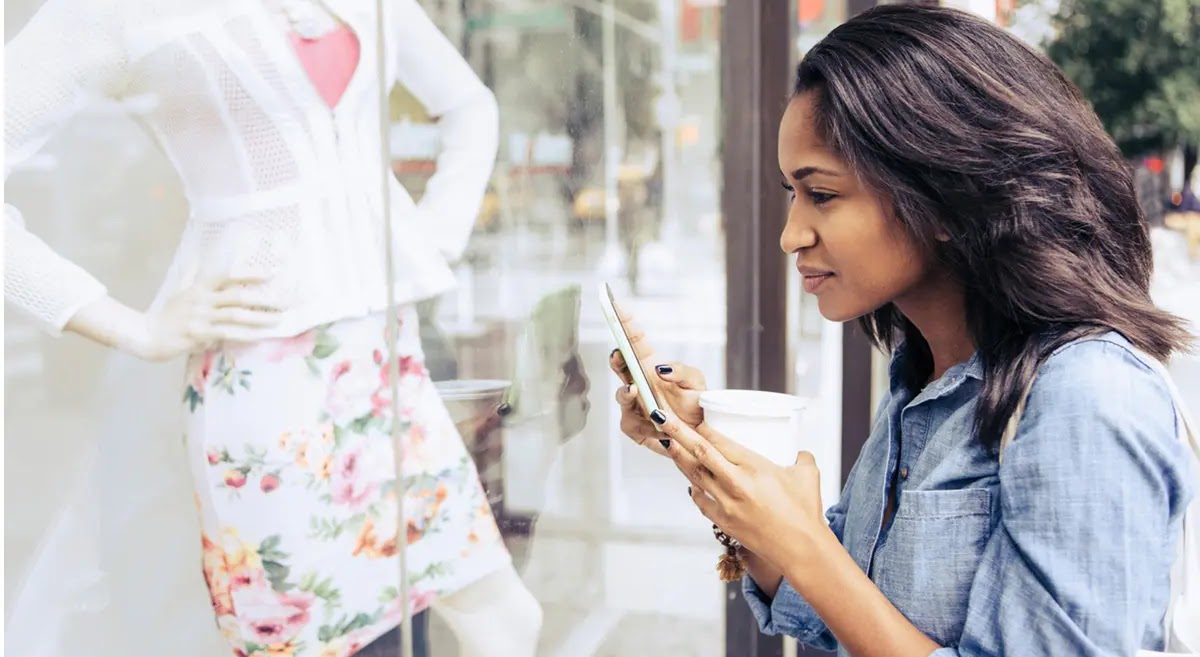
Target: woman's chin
[838, 312]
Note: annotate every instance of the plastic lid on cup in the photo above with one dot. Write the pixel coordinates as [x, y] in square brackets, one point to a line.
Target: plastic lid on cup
[751, 403]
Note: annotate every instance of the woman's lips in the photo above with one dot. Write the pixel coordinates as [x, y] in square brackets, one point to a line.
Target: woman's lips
[814, 282]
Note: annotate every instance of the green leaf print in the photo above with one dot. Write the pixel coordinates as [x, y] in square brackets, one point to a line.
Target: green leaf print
[389, 594]
[326, 345]
[344, 626]
[277, 575]
[312, 366]
[325, 529]
[229, 378]
[323, 590]
[363, 424]
[252, 648]
[436, 569]
[269, 550]
[193, 398]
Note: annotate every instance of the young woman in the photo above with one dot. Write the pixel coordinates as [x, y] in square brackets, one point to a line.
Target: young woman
[952, 191]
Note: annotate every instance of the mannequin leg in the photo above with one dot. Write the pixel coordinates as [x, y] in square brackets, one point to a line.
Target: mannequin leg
[494, 617]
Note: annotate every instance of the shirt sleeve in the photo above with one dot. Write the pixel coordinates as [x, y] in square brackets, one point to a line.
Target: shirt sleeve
[67, 55]
[1091, 493]
[788, 613]
[431, 68]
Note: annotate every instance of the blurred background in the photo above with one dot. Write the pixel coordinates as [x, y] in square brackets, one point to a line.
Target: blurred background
[636, 142]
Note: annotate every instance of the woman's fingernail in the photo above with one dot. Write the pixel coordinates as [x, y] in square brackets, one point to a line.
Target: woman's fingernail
[689, 491]
[665, 443]
[614, 353]
[630, 389]
[665, 369]
[658, 416]
[503, 409]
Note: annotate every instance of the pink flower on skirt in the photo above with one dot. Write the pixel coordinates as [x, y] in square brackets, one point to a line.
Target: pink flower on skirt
[272, 617]
[297, 346]
[418, 600]
[349, 483]
[201, 368]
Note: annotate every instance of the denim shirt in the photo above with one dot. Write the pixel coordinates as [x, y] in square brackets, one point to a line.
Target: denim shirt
[1065, 549]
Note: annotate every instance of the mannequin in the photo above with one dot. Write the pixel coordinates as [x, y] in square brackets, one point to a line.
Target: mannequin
[276, 296]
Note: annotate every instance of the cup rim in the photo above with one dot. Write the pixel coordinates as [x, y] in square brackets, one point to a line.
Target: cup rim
[469, 389]
[751, 403]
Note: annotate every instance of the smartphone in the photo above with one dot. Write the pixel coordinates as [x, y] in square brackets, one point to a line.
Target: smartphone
[641, 380]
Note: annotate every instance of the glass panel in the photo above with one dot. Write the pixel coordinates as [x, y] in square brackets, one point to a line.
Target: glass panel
[161, 146]
[608, 170]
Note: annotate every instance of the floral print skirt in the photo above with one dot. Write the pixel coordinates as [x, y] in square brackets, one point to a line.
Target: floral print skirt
[292, 458]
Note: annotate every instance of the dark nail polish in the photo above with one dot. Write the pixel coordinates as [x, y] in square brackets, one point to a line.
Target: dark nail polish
[665, 443]
[689, 491]
[665, 369]
[503, 409]
[613, 354]
[658, 416]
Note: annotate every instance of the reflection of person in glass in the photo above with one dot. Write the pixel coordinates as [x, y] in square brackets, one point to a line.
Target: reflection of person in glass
[278, 295]
[952, 189]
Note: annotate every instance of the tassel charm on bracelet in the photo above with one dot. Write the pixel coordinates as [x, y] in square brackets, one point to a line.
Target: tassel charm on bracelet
[730, 566]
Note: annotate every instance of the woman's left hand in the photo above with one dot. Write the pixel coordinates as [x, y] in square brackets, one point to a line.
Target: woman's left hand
[771, 510]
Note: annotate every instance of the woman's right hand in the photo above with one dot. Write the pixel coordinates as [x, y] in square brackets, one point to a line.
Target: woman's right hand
[192, 320]
[675, 385]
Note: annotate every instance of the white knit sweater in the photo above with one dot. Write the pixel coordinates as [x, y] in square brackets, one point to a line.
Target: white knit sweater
[279, 185]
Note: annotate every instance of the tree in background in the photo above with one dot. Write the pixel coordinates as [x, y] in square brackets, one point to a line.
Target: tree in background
[1138, 62]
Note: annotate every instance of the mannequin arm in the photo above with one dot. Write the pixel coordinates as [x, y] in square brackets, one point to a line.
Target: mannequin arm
[67, 55]
[437, 75]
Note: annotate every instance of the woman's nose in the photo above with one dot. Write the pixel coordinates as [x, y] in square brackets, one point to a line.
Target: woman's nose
[796, 237]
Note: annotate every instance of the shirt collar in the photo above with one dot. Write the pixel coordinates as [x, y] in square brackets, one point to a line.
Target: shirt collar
[972, 368]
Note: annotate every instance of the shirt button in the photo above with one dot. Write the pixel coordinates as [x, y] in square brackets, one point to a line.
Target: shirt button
[904, 473]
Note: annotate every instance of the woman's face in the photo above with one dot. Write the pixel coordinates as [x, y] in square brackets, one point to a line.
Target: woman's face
[850, 251]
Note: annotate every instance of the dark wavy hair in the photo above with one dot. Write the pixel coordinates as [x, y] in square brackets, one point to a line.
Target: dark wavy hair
[974, 135]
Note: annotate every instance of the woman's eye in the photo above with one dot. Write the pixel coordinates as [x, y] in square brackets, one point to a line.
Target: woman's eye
[820, 198]
[791, 190]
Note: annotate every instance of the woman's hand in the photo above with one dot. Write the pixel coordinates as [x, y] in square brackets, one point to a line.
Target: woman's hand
[676, 386]
[774, 511]
[190, 321]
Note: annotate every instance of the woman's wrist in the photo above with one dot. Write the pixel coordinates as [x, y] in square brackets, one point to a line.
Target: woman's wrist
[809, 555]
[766, 575]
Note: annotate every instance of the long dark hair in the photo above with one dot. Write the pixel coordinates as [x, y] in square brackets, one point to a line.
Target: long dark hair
[973, 135]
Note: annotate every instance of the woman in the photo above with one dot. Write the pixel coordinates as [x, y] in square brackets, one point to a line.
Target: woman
[279, 294]
[953, 191]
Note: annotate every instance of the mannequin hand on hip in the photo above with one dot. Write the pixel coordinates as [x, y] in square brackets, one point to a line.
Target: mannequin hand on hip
[191, 320]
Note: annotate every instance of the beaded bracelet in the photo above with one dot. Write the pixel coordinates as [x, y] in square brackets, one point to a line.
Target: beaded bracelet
[730, 567]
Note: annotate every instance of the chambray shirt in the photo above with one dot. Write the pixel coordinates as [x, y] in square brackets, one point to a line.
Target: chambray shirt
[1065, 549]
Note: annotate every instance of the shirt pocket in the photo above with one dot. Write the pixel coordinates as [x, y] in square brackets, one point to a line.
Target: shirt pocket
[932, 552]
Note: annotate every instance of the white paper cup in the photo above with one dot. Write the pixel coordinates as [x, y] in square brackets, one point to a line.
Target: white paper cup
[766, 422]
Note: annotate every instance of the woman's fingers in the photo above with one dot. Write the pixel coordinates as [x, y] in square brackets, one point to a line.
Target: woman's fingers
[627, 399]
[695, 456]
[616, 362]
[684, 376]
[634, 423]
